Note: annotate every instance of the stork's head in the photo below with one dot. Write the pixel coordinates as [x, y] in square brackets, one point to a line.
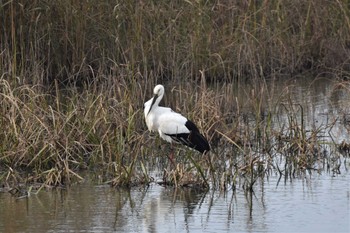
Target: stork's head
[158, 90]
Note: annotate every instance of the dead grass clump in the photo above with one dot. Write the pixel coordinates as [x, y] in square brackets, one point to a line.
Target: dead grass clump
[49, 138]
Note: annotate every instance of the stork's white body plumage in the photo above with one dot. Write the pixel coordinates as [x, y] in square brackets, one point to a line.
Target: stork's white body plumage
[172, 126]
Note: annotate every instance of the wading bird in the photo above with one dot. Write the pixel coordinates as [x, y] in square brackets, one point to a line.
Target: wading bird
[172, 126]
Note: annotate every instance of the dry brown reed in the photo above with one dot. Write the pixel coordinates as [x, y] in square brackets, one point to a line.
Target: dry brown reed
[52, 138]
[72, 41]
[47, 138]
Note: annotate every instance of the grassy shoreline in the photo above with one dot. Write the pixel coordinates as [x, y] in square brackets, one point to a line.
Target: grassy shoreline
[75, 75]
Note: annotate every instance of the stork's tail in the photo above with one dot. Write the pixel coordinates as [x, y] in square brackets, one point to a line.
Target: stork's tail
[196, 139]
[198, 142]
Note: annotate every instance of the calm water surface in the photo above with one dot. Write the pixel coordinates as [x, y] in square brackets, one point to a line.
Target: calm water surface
[319, 204]
[316, 203]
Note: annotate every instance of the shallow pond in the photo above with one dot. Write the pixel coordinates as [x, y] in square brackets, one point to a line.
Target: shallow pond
[319, 202]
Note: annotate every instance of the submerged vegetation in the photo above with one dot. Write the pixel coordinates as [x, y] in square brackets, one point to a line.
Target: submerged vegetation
[75, 75]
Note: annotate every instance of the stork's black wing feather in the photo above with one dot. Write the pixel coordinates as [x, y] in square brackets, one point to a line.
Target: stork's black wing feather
[193, 139]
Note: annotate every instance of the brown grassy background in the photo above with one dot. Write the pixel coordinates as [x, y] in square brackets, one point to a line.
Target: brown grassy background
[75, 75]
[78, 40]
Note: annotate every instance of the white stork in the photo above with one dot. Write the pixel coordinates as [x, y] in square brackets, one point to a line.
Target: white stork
[172, 126]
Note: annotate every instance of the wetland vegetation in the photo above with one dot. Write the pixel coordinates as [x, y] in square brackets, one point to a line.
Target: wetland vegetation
[75, 75]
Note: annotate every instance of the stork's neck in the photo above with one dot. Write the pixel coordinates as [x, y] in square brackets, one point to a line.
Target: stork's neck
[154, 103]
[158, 99]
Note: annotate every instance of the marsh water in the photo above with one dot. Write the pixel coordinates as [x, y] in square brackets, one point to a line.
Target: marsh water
[320, 204]
[314, 202]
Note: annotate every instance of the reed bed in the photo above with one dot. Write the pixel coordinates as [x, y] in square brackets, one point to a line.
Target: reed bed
[72, 41]
[51, 139]
[75, 75]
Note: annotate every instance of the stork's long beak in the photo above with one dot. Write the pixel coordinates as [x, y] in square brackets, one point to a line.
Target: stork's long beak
[153, 101]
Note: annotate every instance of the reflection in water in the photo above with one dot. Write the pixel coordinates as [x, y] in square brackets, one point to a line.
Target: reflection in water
[320, 204]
